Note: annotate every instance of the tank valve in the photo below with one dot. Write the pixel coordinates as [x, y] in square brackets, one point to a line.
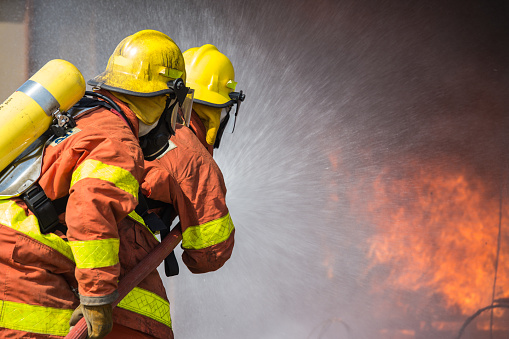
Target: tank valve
[62, 123]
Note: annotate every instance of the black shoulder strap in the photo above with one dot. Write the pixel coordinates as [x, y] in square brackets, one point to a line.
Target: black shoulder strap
[45, 210]
[152, 220]
[92, 99]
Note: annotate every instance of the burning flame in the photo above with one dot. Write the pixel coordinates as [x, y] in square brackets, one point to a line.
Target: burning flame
[438, 234]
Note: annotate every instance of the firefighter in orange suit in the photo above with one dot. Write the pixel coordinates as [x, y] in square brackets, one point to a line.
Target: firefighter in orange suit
[49, 280]
[189, 179]
[207, 228]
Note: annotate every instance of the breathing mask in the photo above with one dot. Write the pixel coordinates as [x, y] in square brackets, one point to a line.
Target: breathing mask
[155, 143]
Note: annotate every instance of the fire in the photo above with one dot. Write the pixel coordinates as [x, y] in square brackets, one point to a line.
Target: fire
[438, 235]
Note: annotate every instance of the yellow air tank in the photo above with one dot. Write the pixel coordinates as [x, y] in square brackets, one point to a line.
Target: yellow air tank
[28, 112]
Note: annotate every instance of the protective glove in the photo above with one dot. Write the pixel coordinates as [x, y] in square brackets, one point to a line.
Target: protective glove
[99, 319]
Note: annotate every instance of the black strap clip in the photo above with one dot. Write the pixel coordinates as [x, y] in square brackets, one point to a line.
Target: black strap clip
[42, 207]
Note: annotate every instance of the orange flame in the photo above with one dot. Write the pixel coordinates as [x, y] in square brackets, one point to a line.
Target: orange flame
[438, 234]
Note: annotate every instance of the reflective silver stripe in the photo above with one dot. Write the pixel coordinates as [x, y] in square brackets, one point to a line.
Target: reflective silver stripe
[41, 96]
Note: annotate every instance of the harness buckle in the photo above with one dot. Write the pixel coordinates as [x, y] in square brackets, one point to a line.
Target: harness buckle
[42, 207]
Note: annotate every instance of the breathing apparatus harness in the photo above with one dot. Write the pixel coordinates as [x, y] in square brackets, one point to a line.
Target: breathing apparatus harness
[46, 210]
[154, 144]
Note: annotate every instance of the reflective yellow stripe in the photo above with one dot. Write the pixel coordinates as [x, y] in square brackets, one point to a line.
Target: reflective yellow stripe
[208, 234]
[95, 253]
[136, 217]
[118, 176]
[14, 216]
[148, 304]
[35, 319]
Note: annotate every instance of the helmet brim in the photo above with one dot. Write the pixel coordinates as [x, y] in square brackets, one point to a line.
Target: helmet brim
[204, 96]
[103, 81]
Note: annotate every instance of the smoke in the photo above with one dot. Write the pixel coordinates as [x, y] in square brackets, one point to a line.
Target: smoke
[337, 92]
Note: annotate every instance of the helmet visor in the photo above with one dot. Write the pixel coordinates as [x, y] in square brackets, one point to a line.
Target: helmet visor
[174, 114]
[184, 112]
[228, 120]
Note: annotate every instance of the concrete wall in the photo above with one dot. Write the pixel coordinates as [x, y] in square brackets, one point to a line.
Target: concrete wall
[13, 46]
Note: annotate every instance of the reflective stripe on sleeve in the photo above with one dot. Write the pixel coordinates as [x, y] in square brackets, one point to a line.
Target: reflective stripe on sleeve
[148, 304]
[102, 252]
[35, 319]
[118, 176]
[208, 234]
[95, 253]
[13, 216]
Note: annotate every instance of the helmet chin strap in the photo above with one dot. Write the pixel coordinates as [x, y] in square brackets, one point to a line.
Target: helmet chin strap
[220, 130]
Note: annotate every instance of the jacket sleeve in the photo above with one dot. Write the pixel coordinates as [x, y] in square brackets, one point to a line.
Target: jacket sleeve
[189, 178]
[102, 170]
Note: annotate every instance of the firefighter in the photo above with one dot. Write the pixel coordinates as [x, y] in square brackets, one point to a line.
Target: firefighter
[211, 74]
[145, 311]
[188, 179]
[50, 280]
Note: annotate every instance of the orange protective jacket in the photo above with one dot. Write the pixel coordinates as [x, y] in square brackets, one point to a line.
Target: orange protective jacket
[188, 178]
[198, 128]
[146, 309]
[99, 164]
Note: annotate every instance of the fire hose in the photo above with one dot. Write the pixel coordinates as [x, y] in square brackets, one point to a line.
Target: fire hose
[136, 275]
[501, 303]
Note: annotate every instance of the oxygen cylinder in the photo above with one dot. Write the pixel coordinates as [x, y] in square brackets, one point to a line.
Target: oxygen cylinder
[28, 112]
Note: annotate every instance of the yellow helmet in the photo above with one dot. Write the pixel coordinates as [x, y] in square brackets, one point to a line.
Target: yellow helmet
[210, 73]
[143, 64]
